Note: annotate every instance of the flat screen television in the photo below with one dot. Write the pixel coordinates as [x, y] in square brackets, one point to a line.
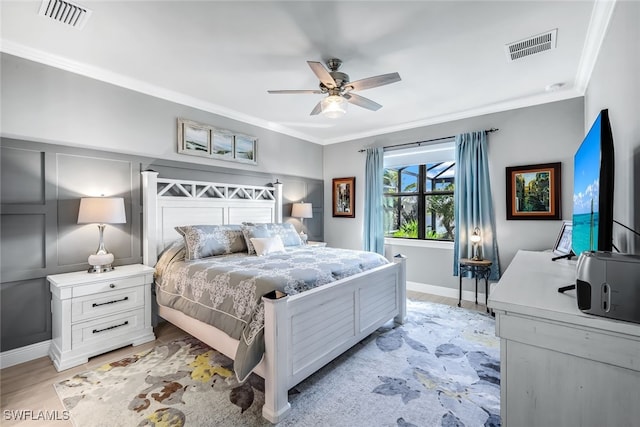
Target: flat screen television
[593, 189]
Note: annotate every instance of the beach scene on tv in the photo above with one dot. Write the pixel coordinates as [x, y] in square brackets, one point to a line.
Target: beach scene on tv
[586, 192]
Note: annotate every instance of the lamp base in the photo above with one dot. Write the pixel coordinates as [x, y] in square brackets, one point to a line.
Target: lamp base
[101, 268]
[100, 263]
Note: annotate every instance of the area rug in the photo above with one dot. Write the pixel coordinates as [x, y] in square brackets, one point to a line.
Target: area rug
[439, 369]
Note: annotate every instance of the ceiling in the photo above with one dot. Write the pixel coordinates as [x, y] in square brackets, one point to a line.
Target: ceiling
[222, 57]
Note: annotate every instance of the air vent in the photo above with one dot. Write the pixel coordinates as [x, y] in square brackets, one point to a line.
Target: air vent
[65, 12]
[532, 45]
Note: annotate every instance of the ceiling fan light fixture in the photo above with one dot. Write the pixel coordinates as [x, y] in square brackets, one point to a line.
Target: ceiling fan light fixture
[334, 106]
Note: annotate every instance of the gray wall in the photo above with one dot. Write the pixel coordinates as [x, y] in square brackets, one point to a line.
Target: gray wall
[45, 104]
[66, 136]
[40, 193]
[545, 133]
[540, 134]
[615, 84]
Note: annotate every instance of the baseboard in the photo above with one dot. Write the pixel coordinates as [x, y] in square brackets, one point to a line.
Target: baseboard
[24, 354]
[444, 292]
[41, 349]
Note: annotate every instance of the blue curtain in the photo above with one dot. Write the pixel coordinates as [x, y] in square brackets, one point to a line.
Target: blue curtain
[473, 202]
[373, 218]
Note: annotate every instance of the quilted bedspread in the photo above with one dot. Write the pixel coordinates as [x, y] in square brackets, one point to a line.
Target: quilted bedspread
[225, 291]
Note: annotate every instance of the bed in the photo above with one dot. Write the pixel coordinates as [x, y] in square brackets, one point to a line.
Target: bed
[357, 304]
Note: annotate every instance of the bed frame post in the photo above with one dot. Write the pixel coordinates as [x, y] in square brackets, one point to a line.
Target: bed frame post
[276, 351]
[278, 196]
[401, 260]
[149, 218]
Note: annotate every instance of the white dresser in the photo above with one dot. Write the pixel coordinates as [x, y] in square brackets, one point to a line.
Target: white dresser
[93, 313]
[559, 366]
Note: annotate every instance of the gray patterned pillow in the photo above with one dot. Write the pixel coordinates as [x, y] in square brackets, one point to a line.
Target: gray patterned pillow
[203, 241]
[286, 231]
[254, 231]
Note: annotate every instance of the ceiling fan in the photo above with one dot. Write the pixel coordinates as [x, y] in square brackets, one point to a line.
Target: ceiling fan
[339, 90]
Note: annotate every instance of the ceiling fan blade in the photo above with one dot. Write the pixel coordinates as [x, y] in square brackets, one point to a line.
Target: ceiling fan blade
[322, 74]
[361, 101]
[316, 110]
[293, 91]
[369, 82]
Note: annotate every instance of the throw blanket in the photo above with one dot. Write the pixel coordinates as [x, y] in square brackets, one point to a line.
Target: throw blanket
[226, 291]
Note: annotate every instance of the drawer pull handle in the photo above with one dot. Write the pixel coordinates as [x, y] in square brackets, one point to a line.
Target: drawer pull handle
[112, 286]
[126, 322]
[95, 304]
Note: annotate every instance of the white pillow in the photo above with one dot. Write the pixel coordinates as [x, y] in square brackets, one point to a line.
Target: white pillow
[267, 245]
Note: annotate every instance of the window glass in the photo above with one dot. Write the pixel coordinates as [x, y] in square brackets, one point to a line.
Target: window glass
[439, 176]
[439, 217]
[409, 178]
[418, 198]
[390, 179]
[401, 216]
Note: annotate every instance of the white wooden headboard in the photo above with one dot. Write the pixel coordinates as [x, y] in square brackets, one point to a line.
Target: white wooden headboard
[168, 203]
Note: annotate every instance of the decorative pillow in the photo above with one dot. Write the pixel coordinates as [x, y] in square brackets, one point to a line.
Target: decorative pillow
[287, 233]
[251, 231]
[203, 241]
[267, 245]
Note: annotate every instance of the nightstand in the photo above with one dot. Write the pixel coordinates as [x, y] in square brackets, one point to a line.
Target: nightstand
[93, 313]
[319, 244]
[479, 269]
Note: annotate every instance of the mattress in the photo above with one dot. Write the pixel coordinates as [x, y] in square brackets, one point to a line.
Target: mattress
[226, 291]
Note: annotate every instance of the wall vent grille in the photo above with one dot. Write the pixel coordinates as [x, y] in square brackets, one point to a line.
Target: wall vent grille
[532, 45]
[65, 12]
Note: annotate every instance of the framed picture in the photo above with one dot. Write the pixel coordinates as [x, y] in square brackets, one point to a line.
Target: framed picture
[245, 149]
[563, 242]
[199, 139]
[194, 138]
[533, 191]
[222, 144]
[344, 197]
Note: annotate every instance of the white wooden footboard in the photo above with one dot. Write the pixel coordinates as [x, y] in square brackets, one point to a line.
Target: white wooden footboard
[306, 331]
[302, 332]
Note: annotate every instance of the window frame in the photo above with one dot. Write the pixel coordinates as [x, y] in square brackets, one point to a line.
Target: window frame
[421, 193]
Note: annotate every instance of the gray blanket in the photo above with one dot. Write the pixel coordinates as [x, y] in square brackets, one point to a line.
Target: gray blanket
[225, 291]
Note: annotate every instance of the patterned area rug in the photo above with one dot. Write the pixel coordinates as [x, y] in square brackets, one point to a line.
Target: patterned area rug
[439, 369]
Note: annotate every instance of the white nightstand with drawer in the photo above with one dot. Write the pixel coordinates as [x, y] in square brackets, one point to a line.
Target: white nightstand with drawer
[93, 313]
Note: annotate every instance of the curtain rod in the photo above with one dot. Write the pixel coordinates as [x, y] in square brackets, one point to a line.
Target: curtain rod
[419, 143]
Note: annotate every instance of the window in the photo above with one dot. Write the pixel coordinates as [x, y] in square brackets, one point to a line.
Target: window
[418, 198]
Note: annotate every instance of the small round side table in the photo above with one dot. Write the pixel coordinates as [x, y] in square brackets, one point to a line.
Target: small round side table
[478, 268]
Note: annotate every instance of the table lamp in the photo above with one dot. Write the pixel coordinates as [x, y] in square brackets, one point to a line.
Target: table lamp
[476, 239]
[302, 210]
[101, 211]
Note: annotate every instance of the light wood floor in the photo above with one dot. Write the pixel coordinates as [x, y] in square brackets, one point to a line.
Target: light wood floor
[469, 305]
[28, 386]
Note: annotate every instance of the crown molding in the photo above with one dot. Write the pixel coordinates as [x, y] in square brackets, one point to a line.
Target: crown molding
[512, 104]
[120, 80]
[598, 25]
[600, 18]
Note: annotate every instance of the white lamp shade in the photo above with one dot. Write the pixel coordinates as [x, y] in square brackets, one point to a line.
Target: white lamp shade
[302, 210]
[334, 106]
[101, 210]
